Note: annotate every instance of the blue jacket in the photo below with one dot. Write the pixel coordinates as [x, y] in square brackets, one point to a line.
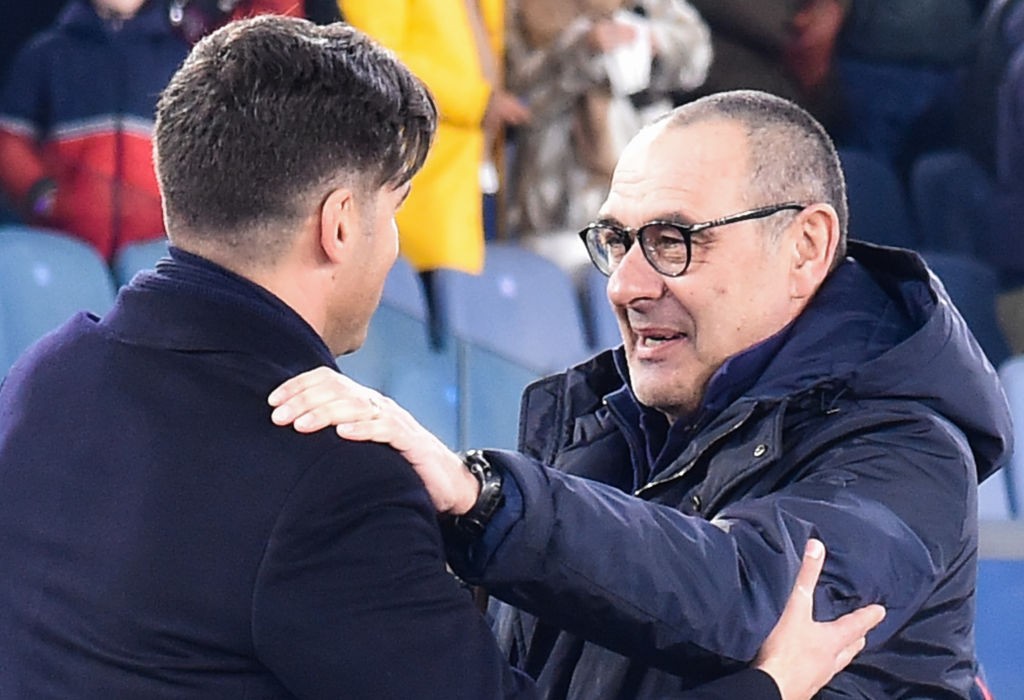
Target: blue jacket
[869, 426]
[77, 108]
[160, 538]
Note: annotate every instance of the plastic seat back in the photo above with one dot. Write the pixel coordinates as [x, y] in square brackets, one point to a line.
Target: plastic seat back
[45, 278]
[973, 287]
[137, 257]
[399, 360]
[523, 306]
[952, 199]
[601, 322]
[879, 212]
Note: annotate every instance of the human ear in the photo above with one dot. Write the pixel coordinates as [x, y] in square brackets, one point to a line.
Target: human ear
[814, 246]
[338, 222]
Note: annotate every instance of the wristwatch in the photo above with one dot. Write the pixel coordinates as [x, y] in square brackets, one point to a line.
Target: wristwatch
[473, 522]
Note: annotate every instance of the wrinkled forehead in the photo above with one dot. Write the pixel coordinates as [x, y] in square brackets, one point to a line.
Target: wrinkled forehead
[693, 170]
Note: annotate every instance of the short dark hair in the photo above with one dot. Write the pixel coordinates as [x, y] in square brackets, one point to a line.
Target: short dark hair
[267, 115]
[792, 157]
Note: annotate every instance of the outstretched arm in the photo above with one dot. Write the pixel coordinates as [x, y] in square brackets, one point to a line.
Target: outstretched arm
[322, 397]
[800, 655]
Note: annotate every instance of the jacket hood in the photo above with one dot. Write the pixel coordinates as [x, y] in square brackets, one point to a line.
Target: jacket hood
[883, 326]
[79, 17]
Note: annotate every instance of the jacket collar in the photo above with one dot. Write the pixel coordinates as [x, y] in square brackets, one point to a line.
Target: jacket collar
[654, 444]
[880, 326]
[191, 304]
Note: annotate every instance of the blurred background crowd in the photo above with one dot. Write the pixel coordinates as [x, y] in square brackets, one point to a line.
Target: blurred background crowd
[925, 99]
[537, 99]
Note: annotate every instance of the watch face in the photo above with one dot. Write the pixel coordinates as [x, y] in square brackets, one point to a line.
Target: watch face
[475, 521]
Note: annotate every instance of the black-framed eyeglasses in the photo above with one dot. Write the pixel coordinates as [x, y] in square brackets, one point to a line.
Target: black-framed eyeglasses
[667, 245]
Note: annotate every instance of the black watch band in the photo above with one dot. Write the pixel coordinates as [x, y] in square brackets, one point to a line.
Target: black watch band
[474, 521]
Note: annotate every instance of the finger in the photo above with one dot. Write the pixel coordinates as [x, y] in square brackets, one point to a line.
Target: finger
[337, 413]
[351, 401]
[807, 576]
[303, 381]
[383, 431]
[319, 417]
[857, 623]
[522, 115]
[308, 399]
[847, 653]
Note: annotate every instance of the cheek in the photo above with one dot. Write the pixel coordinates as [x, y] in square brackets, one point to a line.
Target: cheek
[724, 316]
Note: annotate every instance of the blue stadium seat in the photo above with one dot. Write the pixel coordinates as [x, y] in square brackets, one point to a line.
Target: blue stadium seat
[879, 212]
[603, 328]
[523, 306]
[1011, 373]
[135, 257]
[952, 199]
[491, 391]
[399, 360]
[994, 497]
[973, 287]
[45, 278]
[999, 619]
[518, 320]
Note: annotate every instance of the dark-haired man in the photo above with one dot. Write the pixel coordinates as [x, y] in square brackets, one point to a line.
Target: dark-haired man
[772, 386]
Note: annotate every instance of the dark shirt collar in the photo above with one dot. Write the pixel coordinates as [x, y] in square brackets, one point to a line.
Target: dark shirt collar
[191, 303]
[654, 443]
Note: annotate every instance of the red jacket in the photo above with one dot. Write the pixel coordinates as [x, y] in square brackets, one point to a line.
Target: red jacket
[77, 113]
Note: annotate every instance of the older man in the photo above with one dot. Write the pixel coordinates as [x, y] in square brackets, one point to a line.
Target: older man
[772, 386]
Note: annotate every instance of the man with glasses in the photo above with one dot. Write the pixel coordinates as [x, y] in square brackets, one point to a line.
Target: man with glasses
[774, 384]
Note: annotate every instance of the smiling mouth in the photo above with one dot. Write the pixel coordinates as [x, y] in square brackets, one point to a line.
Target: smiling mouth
[658, 339]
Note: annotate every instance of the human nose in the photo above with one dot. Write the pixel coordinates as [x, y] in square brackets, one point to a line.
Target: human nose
[634, 278]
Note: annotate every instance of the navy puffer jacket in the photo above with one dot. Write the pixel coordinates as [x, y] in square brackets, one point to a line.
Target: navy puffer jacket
[869, 428]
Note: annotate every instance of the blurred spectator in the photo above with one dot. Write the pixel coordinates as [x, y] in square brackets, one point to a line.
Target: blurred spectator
[455, 47]
[593, 72]
[194, 19]
[898, 60]
[20, 22]
[1008, 226]
[76, 115]
[1005, 245]
[784, 47]
[1000, 32]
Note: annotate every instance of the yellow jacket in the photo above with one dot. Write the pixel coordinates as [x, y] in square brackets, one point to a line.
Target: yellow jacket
[441, 223]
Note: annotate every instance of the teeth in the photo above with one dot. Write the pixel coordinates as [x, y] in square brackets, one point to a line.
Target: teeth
[651, 341]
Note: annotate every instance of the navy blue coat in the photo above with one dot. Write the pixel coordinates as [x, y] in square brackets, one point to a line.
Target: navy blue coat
[869, 427]
[160, 538]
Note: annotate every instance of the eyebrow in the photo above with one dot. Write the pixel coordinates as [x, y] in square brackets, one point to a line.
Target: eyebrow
[672, 217]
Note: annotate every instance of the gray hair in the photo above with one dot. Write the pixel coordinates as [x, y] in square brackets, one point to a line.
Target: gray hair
[792, 157]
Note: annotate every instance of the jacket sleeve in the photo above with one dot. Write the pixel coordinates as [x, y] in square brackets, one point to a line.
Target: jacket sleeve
[352, 598]
[749, 684]
[461, 97]
[894, 510]
[23, 121]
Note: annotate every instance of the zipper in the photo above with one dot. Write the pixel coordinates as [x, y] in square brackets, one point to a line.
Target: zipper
[685, 469]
